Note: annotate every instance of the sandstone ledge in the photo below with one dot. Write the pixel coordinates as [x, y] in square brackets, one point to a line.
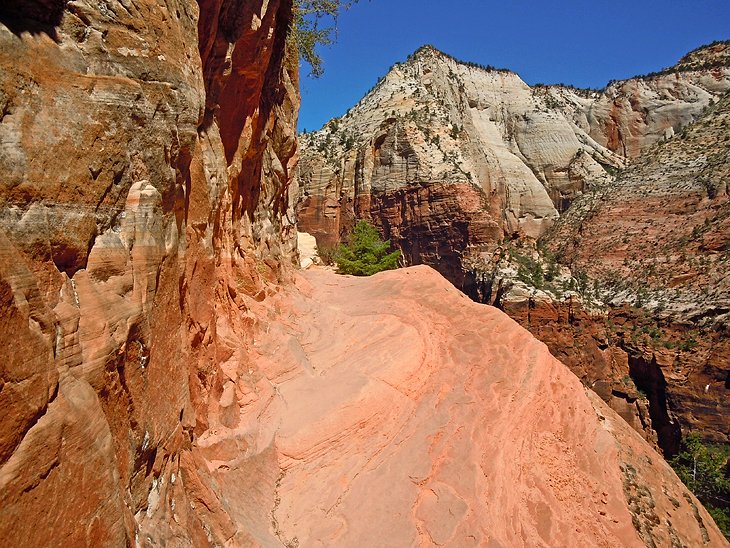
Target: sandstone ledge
[406, 414]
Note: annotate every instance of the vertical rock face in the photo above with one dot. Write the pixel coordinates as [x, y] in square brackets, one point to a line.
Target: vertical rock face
[146, 149]
[672, 211]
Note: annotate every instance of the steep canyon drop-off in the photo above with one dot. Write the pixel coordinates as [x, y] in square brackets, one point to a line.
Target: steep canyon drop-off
[167, 378]
[459, 164]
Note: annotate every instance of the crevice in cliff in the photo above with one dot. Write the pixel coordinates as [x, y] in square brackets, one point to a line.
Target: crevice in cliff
[278, 533]
[249, 187]
[649, 379]
[641, 505]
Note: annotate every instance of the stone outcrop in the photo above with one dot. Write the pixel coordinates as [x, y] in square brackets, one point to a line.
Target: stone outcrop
[405, 158]
[667, 272]
[529, 152]
[403, 414]
[146, 152]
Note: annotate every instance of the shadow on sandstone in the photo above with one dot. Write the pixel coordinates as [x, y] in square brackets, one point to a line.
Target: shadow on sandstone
[34, 16]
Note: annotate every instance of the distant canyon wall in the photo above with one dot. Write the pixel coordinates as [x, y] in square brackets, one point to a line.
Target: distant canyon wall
[528, 152]
[454, 161]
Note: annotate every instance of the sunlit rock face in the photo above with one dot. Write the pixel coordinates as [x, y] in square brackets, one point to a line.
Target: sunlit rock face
[146, 153]
[657, 238]
[166, 380]
[437, 137]
[457, 162]
[402, 413]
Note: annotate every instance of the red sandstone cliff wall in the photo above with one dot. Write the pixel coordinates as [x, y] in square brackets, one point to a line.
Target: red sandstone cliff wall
[147, 148]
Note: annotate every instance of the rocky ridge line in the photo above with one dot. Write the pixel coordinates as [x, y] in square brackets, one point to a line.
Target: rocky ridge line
[405, 157]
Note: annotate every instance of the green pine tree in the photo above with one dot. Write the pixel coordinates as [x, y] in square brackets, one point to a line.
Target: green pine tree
[703, 468]
[365, 253]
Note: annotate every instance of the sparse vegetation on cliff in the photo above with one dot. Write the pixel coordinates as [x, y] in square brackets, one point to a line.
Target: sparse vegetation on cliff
[704, 469]
[315, 23]
[429, 47]
[365, 253]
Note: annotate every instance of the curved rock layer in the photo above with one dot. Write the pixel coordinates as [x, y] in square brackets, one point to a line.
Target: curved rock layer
[401, 413]
[449, 159]
[146, 149]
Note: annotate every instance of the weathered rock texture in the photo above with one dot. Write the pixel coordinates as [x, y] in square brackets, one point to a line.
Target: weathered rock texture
[662, 233]
[478, 134]
[160, 388]
[146, 149]
[402, 413]
[453, 160]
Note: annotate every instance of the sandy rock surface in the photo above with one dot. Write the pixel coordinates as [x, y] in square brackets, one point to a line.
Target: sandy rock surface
[402, 413]
[146, 149]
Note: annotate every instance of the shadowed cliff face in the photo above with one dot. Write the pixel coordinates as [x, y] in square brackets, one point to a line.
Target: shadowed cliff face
[142, 203]
[33, 16]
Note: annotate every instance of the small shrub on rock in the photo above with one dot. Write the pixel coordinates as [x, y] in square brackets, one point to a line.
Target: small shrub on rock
[365, 253]
[704, 468]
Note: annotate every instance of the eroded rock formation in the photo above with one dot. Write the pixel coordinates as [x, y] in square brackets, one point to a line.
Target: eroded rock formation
[406, 414]
[141, 205]
[435, 121]
[671, 212]
[452, 161]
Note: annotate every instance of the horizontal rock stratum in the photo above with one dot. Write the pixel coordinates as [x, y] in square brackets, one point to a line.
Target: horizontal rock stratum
[462, 166]
[402, 413]
[517, 154]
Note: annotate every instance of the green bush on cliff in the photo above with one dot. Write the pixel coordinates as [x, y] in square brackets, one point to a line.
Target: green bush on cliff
[704, 469]
[365, 253]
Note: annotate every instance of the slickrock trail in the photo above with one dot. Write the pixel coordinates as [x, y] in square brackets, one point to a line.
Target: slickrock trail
[403, 413]
[168, 379]
[462, 166]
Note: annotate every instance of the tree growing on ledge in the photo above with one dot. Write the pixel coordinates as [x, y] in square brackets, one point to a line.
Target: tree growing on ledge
[315, 23]
[704, 469]
[365, 253]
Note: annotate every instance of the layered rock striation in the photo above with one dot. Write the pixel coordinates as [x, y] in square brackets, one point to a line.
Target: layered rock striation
[446, 156]
[467, 130]
[402, 413]
[667, 272]
[146, 154]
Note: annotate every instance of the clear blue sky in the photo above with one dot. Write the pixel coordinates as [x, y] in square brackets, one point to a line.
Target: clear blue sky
[584, 43]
